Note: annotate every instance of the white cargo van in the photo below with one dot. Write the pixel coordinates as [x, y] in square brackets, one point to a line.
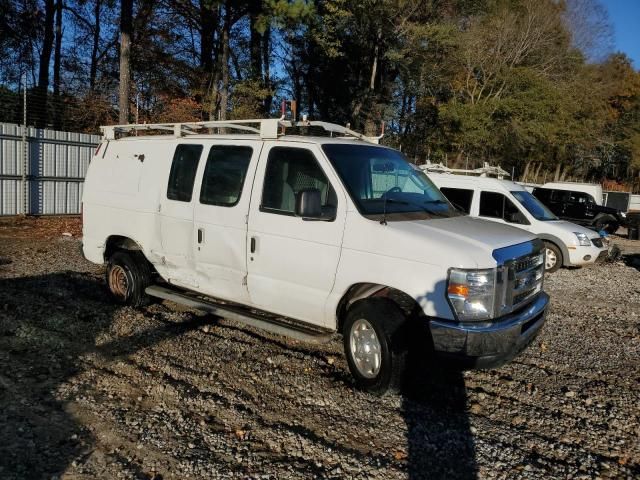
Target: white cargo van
[507, 202]
[307, 236]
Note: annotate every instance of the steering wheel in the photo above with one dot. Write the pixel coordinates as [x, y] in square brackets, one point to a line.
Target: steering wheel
[393, 190]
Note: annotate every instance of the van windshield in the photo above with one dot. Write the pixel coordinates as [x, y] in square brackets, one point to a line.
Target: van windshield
[380, 180]
[534, 206]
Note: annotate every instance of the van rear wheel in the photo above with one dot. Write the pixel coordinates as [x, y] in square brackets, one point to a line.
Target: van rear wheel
[128, 275]
[375, 345]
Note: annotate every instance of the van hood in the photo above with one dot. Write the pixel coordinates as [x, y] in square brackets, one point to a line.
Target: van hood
[462, 242]
[563, 228]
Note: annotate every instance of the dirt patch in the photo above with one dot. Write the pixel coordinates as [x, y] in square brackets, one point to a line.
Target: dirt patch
[40, 227]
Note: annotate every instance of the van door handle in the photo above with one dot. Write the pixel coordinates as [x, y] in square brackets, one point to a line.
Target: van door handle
[253, 244]
[200, 235]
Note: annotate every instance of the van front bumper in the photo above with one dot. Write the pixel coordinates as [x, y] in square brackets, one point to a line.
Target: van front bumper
[582, 256]
[489, 344]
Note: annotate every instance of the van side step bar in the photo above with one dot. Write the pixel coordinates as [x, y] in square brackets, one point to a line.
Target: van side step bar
[262, 320]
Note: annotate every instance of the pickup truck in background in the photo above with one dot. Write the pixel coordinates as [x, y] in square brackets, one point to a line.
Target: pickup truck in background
[580, 208]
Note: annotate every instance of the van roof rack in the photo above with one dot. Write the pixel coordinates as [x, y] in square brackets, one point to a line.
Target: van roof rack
[268, 129]
[485, 171]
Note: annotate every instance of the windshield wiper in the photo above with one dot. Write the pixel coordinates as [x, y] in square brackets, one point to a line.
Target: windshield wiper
[383, 221]
[434, 202]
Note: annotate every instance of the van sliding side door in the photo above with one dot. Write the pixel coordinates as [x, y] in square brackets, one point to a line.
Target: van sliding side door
[176, 216]
[220, 218]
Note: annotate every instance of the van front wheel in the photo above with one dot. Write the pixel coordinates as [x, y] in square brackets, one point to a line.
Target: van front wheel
[552, 257]
[375, 345]
[128, 275]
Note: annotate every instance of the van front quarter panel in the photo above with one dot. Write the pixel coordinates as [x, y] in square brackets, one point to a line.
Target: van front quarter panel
[405, 256]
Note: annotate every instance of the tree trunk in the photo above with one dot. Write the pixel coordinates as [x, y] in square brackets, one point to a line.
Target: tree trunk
[57, 58]
[523, 178]
[556, 175]
[297, 84]
[213, 90]
[208, 20]
[537, 175]
[94, 48]
[58, 50]
[311, 100]
[266, 45]
[224, 94]
[126, 27]
[376, 54]
[255, 42]
[565, 171]
[45, 59]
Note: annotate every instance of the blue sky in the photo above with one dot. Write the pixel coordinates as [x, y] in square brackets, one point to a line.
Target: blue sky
[625, 16]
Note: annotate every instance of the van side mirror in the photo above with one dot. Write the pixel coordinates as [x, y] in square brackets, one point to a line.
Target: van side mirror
[309, 204]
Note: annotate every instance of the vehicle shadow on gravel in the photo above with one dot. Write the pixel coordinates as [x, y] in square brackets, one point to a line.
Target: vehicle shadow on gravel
[48, 324]
[439, 437]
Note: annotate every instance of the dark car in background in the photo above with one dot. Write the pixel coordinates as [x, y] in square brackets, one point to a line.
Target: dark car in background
[581, 208]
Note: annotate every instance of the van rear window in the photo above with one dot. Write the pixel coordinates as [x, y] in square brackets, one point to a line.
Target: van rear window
[183, 172]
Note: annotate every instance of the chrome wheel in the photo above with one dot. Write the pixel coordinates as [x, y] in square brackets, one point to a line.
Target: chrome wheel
[550, 259]
[365, 348]
[118, 282]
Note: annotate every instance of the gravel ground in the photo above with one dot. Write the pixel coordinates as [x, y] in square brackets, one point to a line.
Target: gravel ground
[89, 389]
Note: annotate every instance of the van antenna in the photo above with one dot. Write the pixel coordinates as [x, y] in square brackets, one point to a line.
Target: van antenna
[383, 221]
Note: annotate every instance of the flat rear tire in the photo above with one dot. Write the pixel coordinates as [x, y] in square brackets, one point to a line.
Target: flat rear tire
[128, 275]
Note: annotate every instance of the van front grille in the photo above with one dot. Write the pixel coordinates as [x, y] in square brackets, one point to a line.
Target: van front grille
[520, 275]
[527, 278]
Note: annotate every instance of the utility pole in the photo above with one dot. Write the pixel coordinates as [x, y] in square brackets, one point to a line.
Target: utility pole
[25, 161]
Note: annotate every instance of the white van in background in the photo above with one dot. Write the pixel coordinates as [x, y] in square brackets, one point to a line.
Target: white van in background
[504, 201]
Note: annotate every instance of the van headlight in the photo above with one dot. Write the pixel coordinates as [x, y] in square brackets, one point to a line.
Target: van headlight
[583, 239]
[471, 293]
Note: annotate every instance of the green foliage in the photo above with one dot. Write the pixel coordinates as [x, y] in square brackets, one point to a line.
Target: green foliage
[246, 99]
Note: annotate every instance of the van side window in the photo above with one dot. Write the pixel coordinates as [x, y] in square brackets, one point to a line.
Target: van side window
[559, 195]
[290, 170]
[579, 197]
[224, 174]
[459, 197]
[496, 205]
[183, 172]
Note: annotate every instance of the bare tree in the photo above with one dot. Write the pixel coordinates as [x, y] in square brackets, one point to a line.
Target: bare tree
[530, 37]
[590, 27]
[93, 72]
[45, 62]
[126, 27]
[58, 50]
